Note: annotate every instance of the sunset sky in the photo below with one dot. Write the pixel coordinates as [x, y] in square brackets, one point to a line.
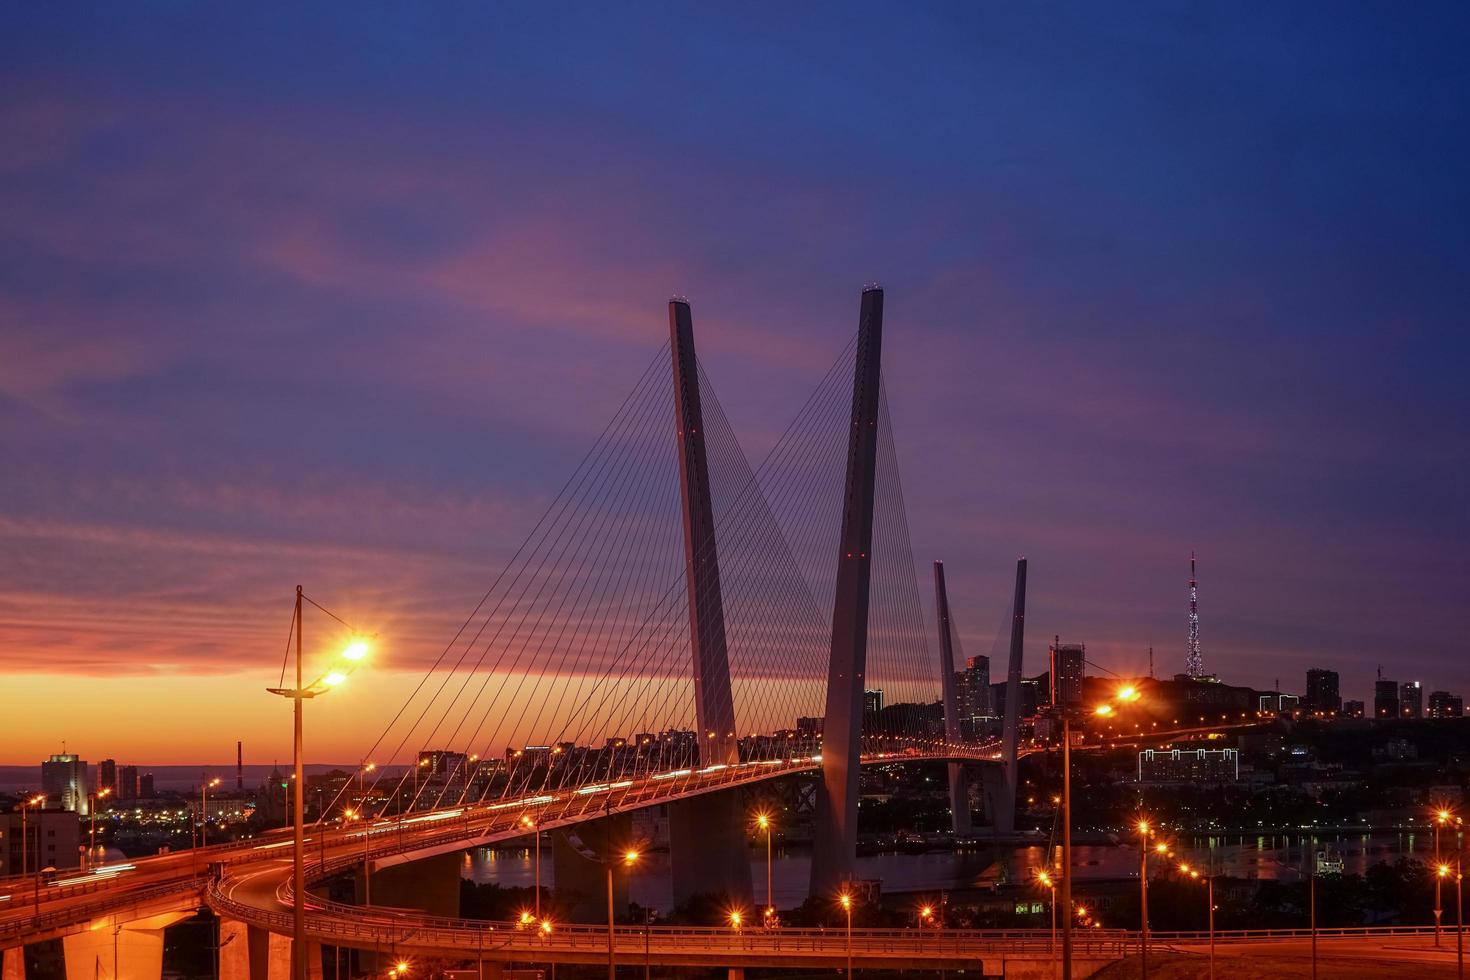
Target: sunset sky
[340, 299]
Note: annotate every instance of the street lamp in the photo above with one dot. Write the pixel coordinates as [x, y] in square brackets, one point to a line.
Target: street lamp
[350, 657]
[846, 900]
[92, 828]
[1441, 817]
[735, 918]
[530, 824]
[629, 858]
[1143, 832]
[204, 787]
[1128, 694]
[38, 800]
[1044, 878]
[763, 820]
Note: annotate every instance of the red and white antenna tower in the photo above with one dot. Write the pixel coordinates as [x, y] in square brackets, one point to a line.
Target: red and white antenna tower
[1194, 664]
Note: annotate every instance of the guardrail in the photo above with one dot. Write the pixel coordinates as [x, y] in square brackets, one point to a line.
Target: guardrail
[368, 927]
[21, 924]
[1268, 935]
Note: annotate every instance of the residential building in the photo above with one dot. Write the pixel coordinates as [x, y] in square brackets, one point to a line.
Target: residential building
[1443, 704]
[1411, 700]
[1322, 692]
[107, 776]
[1353, 709]
[1188, 765]
[127, 783]
[64, 780]
[53, 835]
[1385, 699]
[1066, 667]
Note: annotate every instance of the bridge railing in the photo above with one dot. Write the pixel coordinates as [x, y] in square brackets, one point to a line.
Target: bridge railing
[369, 926]
[1258, 935]
[61, 918]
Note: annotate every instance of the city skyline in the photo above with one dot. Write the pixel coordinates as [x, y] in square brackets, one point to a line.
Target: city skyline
[272, 318]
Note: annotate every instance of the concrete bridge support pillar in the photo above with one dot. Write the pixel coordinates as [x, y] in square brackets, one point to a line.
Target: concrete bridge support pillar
[268, 954]
[735, 973]
[579, 857]
[699, 865]
[119, 950]
[430, 885]
[14, 967]
[834, 844]
[707, 844]
[234, 950]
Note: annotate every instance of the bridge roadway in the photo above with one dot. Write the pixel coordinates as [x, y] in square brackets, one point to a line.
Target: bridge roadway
[69, 900]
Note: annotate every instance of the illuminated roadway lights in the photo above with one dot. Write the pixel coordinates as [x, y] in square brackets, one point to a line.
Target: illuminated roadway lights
[530, 825]
[204, 787]
[763, 820]
[350, 658]
[845, 900]
[92, 828]
[629, 858]
[38, 800]
[1441, 818]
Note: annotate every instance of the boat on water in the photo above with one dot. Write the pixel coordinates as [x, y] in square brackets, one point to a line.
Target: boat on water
[1328, 861]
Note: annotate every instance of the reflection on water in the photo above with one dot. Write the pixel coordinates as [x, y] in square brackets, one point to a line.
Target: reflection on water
[1265, 856]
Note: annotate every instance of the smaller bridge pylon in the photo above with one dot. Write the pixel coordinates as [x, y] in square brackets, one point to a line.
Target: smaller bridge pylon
[959, 782]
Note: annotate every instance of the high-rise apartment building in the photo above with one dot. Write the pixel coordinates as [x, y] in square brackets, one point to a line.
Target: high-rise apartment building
[1443, 704]
[1411, 700]
[145, 786]
[1385, 699]
[127, 783]
[1067, 661]
[64, 779]
[107, 776]
[972, 689]
[1322, 692]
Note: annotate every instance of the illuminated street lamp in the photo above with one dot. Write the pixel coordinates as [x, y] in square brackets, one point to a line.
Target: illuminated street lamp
[846, 900]
[1143, 833]
[204, 787]
[1128, 694]
[350, 658]
[629, 858]
[92, 829]
[38, 800]
[763, 820]
[1045, 878]
[1441, 817]
[735, 918]
[530, 824]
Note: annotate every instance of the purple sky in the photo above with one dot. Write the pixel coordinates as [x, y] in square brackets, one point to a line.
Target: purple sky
[342, 300]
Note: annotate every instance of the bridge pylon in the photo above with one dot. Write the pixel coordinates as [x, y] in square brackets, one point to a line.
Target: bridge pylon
[707, 841]
[959, 778]
[1001, 798]
[834, 838]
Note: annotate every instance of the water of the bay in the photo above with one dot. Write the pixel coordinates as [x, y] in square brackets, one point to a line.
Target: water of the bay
[1265, 856]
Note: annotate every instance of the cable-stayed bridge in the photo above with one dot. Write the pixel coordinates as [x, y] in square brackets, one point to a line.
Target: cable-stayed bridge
[678, 627]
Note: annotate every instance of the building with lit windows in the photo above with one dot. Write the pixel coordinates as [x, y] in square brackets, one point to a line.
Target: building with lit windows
[1322, 692]
[64, 780]
[1188, 765]
[1411, 700]
[1443, 704]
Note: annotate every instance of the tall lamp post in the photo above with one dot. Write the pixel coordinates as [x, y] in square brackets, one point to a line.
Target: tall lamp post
[92, 824]
[530, 824]
[1126, 694]
[764, 821]
[1143, 829]
[341, 668]
[205, 785]
[629, 859]
[846, 900]
[1045, 878]
[1441, 817]
[38, 800]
